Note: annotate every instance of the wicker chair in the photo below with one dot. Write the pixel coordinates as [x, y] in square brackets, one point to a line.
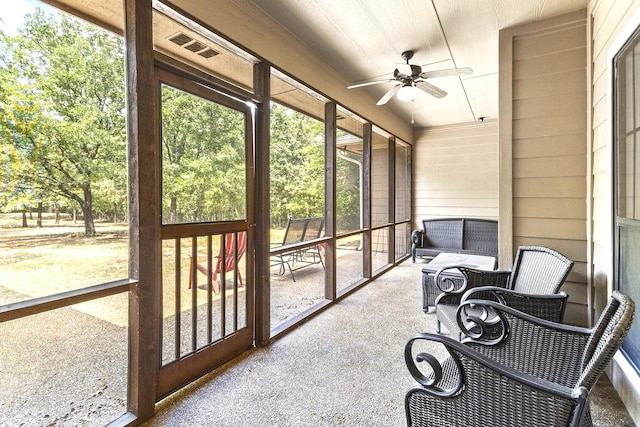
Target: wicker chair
[503, 375]
[531, 286]
[539, 270]
[452, 290]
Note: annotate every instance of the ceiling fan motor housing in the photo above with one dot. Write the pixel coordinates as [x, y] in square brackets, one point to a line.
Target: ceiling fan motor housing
[407, 55]
[415, 73]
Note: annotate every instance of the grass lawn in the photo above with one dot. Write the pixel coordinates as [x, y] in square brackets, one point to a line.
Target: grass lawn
[41, 261]
[58, 257]
[54, 258]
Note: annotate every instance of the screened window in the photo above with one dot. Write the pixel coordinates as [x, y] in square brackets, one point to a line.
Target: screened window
[64, 156]
[627, 182]
[203, 159]
[297, 206]
[63, 217]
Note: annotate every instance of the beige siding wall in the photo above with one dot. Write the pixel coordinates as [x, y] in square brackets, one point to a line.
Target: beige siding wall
[611, 21]
[456, 172]
[547, 116]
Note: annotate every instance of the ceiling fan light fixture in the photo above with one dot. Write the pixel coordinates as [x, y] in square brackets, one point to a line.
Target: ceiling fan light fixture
[406, 93]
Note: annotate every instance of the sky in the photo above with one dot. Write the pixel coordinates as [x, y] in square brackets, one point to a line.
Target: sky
[12, 13]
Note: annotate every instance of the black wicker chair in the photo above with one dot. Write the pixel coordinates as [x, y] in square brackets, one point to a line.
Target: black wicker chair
[539, 270]
[531, 286]
[452, 290]
[503, 375]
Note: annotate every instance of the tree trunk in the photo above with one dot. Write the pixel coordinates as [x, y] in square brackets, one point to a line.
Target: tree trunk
[87, 214]
[89, 226]
[40, 214]
[57, 213]
[24, 218]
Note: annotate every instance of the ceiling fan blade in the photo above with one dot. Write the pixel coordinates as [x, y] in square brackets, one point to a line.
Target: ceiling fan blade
[387, 96]
[447, 72]
[369, 83]
[431, 89]
[404, 69]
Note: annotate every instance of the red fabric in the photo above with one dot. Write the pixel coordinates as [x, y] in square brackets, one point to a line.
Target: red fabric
[229, 259]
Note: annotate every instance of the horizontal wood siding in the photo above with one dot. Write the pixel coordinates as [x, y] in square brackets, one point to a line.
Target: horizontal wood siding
[456, 172]
[549, 145]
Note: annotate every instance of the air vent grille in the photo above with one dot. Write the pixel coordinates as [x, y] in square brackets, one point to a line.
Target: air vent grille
[181, 39]
[195, 46]
[208, 53]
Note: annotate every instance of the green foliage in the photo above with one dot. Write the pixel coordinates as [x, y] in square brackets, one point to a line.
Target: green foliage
[63, 138]
[63, 110]
[203, 158]
[19, 115]
[347, 194]
[297, 165]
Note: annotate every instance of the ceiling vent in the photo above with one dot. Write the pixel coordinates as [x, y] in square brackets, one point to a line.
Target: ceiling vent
[196, 46]
[208, 53]
[181, 39]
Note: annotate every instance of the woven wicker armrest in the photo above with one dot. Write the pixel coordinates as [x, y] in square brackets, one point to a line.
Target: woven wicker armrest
[467, 278]
[468, 388]
[522, 341]
[546, 306]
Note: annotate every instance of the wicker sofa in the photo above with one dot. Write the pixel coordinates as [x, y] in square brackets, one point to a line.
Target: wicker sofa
[456, 235]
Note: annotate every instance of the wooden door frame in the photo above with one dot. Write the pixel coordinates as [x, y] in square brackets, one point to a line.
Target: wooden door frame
[176, 374]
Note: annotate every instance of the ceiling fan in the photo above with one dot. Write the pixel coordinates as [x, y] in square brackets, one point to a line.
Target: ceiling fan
[409, 76]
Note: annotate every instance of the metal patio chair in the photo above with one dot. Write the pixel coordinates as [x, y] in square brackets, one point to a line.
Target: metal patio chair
[288, 255]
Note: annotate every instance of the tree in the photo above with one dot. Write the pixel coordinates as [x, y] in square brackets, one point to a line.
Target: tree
[20, 114]
[203, 159]
[347, 193]
[75, 134]
[297, 165]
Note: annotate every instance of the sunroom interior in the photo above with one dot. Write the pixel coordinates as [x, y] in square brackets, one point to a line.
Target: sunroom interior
[540, 160]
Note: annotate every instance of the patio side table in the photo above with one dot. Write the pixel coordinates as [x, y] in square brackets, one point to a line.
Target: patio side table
[429, 289]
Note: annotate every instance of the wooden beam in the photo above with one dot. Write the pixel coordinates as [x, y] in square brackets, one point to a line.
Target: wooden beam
[330, 135]
[38, 305]
[144, 211]
[367, 142]
[391, 171]
[262, 85]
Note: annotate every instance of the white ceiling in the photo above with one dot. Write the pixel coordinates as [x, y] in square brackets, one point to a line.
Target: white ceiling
[363, 40]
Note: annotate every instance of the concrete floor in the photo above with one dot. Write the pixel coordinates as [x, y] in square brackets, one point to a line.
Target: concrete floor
[344, 367]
